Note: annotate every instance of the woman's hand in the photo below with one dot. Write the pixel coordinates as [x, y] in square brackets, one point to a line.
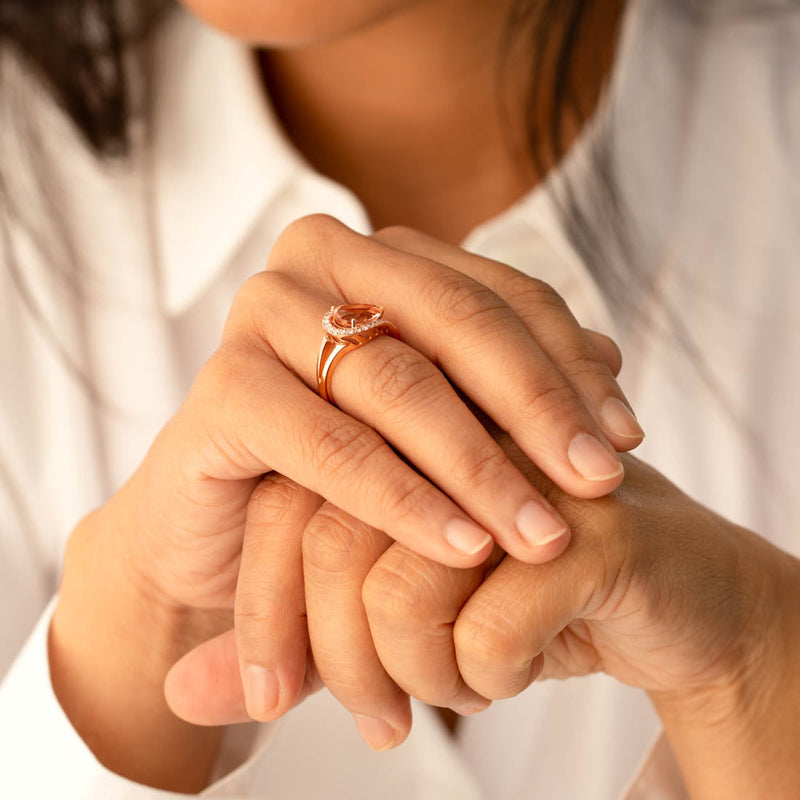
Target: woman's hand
[654, 590]
[479, 335]
[170, 544]
[253, 410]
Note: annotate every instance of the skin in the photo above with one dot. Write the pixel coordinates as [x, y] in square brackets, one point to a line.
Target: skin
[716, 662]
[412, 142]
[303, 23]
[182, 544]
[180, 523]
[432, 144]
[654, 589]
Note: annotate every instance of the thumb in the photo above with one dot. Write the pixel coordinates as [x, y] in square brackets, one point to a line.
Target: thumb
[205, 686]
[503, 629]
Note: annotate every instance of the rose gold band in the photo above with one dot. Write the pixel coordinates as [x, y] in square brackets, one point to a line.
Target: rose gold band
[348, 327]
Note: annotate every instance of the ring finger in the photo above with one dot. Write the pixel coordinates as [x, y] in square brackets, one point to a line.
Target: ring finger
[481, 342]
[392, 388]
[338, 552]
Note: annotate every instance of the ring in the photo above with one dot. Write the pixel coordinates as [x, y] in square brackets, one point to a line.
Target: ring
[348, 327]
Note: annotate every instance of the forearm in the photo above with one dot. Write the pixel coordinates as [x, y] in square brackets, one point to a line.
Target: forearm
[741, 740]
[110, 650]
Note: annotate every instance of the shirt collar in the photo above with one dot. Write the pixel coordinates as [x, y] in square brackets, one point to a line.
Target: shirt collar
[219, 154]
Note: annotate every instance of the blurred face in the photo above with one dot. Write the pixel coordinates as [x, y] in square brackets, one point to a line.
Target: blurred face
[283, 23]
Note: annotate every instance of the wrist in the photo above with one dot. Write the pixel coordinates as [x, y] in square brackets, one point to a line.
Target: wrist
[738, 737]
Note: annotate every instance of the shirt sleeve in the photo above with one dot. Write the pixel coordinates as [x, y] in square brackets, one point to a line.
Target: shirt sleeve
[659, 777]
[44, 757]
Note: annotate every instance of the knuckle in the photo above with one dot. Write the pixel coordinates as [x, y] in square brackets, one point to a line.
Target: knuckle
[309, 234]
[606, 349]
[221, 398]
[310, 228]
[331, 542]
[337, 444]
[251, 288]
[397, 593]
[548, 401]
[408, 501]
[400, 373]
[396, 234]
[269, 288]
[578, 362]
[477, 469]
[458, 299]
[489, 639]
[273, 498]
[610, 534]
[220, 367]
[230, 379]
[344, 681]
[536, 293]
[256, 303]
[251, 608]
[257, 606]
[220, 380]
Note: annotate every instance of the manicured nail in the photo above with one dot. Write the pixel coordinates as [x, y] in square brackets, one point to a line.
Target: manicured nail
[466, 537]
[592, 460]
[619, 419]
[261, 691]
[379, 735]
[538, 526]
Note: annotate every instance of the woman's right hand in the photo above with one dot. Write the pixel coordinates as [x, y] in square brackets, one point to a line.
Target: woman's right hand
[253, 409]
[178, 524]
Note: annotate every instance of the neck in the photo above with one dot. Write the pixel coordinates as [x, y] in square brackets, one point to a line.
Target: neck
[407, 114]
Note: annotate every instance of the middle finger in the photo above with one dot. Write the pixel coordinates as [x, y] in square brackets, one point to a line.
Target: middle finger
[481, 342]
[395, 390]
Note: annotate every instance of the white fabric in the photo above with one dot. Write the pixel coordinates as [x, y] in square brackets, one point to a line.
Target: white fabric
[708, 119]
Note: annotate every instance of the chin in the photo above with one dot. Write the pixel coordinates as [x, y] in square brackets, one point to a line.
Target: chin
[292, 23]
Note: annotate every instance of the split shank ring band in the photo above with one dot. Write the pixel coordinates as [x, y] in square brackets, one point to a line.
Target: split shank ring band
[348, 327]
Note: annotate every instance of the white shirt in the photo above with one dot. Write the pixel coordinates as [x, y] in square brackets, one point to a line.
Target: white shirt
[708, 120]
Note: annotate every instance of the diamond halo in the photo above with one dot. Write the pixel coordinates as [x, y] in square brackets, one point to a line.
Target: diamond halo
[334, 323]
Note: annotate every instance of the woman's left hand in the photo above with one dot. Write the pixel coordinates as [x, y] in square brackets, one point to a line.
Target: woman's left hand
[654, 590]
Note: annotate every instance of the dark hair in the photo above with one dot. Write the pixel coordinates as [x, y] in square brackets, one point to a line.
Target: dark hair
[88, 55]
[91, 57]
[78, 49]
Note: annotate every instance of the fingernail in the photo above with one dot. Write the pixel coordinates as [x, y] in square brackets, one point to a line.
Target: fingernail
[379, 735]
[592, 460]
[470, 709]
[539, 526]
[261, 691]
[466, 537]
[619, 419]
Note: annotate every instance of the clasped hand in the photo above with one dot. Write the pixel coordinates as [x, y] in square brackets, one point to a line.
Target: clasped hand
[407, 543]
